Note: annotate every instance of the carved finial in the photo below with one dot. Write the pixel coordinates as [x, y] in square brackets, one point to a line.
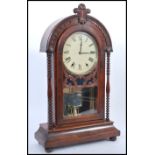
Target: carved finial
[82, 13]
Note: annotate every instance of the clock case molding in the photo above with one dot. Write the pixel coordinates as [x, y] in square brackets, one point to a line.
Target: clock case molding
[59, 131]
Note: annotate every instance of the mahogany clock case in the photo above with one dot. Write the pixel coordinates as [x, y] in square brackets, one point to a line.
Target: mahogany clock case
[59, 131]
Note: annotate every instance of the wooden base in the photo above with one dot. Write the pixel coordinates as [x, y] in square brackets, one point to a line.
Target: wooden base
[53, 139]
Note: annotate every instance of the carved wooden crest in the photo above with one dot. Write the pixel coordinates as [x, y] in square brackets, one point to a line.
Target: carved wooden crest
[82, 13]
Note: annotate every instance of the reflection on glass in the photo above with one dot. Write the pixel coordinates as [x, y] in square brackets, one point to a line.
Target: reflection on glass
[78, 101]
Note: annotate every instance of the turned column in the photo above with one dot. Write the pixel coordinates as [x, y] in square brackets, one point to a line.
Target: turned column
[50, 91]
[108, 83]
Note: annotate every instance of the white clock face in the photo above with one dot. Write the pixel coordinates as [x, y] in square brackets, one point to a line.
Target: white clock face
[80, 53]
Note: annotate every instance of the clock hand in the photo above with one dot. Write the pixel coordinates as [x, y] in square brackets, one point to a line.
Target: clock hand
[85, 53]
[80, 45]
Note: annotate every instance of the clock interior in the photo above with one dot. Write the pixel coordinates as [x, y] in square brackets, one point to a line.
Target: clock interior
[79, 101]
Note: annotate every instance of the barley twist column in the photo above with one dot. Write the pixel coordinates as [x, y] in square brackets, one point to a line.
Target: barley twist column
[108, 84]
[50, 91]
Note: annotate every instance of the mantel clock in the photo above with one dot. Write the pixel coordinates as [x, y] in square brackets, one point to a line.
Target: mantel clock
[78, 52]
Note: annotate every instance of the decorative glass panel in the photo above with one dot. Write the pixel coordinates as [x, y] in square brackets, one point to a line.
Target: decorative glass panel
[79, 101]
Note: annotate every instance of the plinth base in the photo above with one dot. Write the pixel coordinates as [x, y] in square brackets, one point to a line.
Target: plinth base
[53, 139]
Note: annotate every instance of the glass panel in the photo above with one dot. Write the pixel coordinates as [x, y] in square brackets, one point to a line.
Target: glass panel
[79, 101]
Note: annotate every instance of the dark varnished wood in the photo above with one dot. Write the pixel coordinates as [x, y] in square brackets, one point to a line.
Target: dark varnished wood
[108, 85]
[65, 138]
[60, 130]
[91, 29]
[49, 83]
[82, 13]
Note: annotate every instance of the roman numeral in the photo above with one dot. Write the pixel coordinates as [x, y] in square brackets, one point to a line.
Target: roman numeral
[92, 52]
[91, 59]
[73, 38]
[80, 67]
[68, 59]
[73, 64]
[68, 45]
[86, 39]
[80, 37]
[66, 52]
[91, 44]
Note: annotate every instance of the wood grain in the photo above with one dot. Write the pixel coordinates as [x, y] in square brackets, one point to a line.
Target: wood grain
[61, 131]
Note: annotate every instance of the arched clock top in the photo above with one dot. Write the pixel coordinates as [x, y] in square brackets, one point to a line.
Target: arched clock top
[47, 34]
[81, 19]
[78, 50]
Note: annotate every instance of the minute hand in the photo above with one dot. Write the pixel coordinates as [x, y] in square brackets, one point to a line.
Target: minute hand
[85, 53]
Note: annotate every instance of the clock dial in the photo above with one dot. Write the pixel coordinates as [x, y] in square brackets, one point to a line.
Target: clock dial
[80, 53]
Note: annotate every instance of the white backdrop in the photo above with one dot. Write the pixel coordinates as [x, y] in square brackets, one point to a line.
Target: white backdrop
[112, 15]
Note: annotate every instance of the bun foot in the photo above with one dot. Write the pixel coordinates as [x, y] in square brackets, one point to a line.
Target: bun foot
[48, 150]
[112, 138]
